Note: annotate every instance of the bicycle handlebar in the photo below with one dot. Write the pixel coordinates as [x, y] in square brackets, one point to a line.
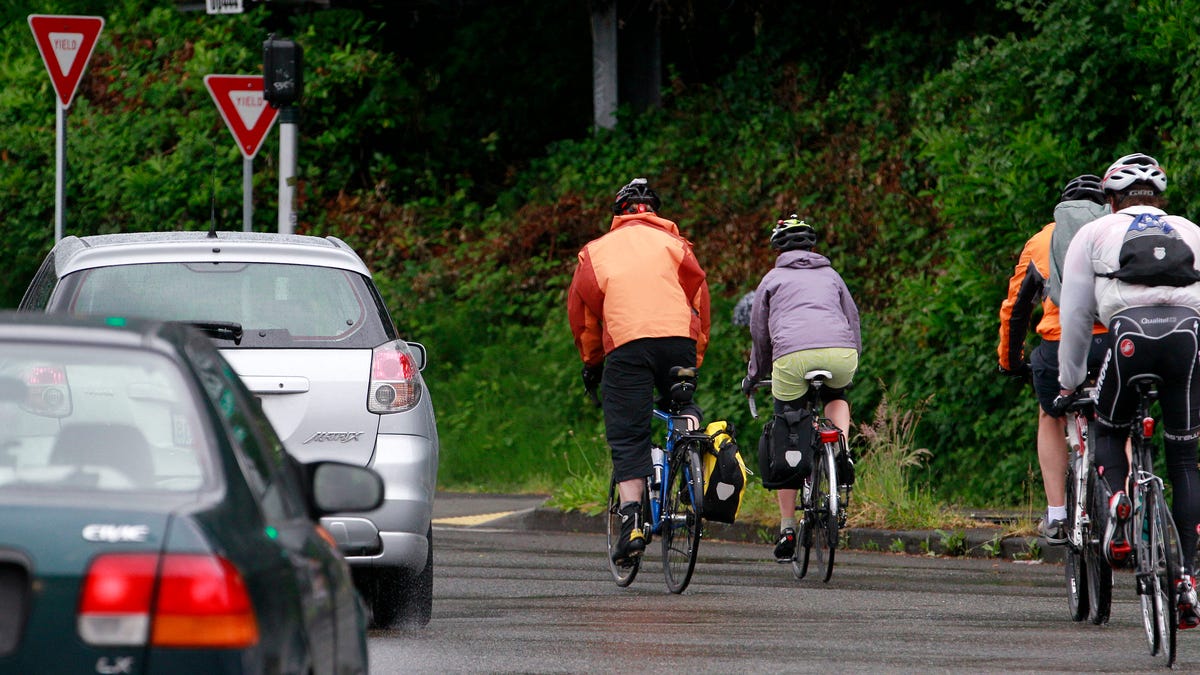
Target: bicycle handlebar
[1081, 400]
[762, 384]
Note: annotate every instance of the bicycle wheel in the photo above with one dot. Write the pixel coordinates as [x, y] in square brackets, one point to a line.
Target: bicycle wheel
[804, 536]
[1099, 574]
[680, 522]
[825, 508]
[1162, 568]
[624, 574]
[1074, 566]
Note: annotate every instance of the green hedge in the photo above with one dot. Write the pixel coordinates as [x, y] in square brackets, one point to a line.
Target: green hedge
[926, 145]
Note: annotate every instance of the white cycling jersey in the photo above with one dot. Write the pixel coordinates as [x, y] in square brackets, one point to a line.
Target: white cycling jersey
[1087, 296]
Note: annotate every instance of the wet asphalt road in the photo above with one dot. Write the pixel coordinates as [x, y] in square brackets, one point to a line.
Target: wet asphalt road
[507, 599]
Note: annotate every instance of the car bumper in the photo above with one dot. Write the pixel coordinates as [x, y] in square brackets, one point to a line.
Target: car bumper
[395, 534]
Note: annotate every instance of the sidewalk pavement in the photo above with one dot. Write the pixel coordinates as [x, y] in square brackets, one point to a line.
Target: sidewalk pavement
[528, 512]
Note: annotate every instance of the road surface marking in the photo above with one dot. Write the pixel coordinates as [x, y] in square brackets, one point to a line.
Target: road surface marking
[469, 521]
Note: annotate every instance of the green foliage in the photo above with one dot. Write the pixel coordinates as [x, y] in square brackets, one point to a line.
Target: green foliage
[992, 547]
[455, 153]
[954, 543]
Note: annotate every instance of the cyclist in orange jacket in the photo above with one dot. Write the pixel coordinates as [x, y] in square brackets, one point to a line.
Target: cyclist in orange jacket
[638, 305]
[1082, 200]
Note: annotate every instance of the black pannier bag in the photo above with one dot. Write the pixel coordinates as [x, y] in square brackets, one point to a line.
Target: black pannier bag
[785, 450]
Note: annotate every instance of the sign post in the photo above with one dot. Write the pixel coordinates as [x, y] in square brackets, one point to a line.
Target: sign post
[240, 101]
[66, 44]
[283, 73]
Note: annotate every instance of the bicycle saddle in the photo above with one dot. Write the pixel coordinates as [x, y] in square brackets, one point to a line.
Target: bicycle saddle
[685, 384]
[1144, 381]
[820, 375]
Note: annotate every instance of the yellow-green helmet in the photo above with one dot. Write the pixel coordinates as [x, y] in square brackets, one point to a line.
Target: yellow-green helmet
[792, 233]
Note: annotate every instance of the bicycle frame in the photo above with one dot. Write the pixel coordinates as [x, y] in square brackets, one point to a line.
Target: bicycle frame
[662, 475]
[1082, 457]
[1141, 472]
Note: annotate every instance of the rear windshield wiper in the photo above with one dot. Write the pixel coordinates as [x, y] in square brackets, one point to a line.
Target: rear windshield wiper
[221, 330]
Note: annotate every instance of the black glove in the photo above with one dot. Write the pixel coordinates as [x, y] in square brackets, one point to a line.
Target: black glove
[1021, 372]
[1061, 403]
[591, 378]
[747, 387]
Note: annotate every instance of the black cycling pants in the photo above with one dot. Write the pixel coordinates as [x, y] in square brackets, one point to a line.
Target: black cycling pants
[1163, 341]
[632, 373]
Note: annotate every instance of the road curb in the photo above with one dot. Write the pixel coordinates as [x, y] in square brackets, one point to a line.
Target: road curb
[979, 542]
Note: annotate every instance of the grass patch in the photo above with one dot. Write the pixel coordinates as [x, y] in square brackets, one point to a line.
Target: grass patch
[884, 495]
[585, 486]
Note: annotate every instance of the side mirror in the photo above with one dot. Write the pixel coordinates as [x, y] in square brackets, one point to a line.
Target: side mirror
[337, 487]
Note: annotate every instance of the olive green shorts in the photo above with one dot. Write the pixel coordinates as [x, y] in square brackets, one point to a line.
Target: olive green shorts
[787, 373]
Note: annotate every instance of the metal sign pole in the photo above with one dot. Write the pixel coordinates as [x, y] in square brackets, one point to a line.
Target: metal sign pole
[247, 194]
[287, 169]
[60, 172]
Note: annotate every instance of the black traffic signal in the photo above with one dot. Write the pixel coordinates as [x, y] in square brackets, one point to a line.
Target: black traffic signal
[283, 65]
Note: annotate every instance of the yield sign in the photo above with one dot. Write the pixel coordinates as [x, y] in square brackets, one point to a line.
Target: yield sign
[240, 100]
[66, 44]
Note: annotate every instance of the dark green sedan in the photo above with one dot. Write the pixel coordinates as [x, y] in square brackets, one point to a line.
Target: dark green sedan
[150, 519]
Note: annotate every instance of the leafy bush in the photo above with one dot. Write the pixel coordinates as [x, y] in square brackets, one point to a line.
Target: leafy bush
[926, 145]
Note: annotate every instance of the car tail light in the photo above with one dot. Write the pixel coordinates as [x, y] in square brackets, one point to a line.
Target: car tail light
[48, 391]
[114, 608]
[202, 602]
[177, 600]
[395, 379]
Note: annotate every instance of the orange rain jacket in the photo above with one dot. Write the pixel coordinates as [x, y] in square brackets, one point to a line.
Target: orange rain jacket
[640, 280]
[1026, 288]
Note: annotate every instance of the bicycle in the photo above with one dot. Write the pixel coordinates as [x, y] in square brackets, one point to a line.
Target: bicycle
[824, 498]
[1157, 553]
[673, 499]
[1089, 578]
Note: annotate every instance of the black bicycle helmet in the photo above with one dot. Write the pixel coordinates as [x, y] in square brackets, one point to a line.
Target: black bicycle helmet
[1086, 187]
[636, 192]
[1135, 168]
[793, 233]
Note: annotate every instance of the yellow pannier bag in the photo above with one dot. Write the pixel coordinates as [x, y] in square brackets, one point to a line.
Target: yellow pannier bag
[724, 474]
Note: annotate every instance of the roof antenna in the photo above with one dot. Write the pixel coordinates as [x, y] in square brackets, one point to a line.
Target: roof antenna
[212, 219]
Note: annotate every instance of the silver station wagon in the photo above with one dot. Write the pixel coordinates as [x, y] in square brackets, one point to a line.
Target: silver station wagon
[301, 322]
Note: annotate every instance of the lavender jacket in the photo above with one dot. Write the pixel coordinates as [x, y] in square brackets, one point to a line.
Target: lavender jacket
[802, 303]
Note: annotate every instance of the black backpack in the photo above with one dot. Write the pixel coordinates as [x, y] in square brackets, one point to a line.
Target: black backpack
[1154, 254]
[785, 450]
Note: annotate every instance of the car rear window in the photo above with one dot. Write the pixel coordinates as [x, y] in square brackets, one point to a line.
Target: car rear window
[274, 305]
[94, 418]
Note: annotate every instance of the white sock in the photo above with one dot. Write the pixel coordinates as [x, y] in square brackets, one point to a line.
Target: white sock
[1054, 513]
[786, 523]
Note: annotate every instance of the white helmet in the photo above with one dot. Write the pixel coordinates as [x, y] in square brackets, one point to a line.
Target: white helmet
[1134, 168]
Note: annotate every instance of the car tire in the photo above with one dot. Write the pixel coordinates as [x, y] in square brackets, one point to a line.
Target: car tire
[398, 598]
[416, 593]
